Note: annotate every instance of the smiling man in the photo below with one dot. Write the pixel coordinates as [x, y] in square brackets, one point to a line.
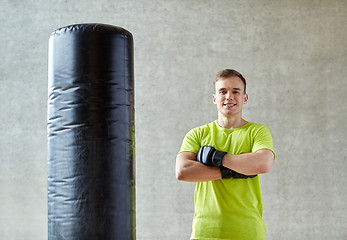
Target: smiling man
[225, 157]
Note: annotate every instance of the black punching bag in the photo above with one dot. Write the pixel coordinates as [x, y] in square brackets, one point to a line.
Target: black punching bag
[90, 131]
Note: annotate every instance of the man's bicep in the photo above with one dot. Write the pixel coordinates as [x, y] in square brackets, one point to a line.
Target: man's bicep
[267, 157]
[267, 153]
[184, 160]
[185, 156]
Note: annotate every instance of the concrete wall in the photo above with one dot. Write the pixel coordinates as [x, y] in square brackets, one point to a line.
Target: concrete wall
[293, 54]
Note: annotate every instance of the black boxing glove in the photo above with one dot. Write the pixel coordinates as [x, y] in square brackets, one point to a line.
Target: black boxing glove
[228, 173]
[210, 156]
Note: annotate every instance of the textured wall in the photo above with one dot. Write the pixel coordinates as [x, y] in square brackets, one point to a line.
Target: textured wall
[293, 54]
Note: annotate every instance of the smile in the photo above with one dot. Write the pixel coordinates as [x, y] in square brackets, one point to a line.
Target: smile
[229, 104]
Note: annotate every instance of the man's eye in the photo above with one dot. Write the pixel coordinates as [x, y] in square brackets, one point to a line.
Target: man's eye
[236, 92]
[222, 92]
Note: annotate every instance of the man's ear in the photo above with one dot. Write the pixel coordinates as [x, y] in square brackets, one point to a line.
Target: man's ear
[245, 98]
[214, 99]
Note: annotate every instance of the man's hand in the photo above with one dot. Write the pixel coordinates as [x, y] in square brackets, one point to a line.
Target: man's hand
[228, 173]
[210, 156]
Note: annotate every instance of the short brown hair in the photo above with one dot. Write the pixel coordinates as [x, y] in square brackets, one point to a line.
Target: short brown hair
[226, 73]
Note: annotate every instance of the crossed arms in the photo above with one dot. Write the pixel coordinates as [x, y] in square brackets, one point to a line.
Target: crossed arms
[188, 169]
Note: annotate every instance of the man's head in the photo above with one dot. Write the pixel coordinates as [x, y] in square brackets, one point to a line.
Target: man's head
[227, 73]
[230, 93]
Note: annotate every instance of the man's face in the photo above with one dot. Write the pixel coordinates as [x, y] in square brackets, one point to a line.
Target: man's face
[229, 96]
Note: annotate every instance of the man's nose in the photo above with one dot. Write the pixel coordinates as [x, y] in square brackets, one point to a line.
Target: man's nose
[229, 96]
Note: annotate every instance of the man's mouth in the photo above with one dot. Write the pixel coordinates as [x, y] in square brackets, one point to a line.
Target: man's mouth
[229, 104]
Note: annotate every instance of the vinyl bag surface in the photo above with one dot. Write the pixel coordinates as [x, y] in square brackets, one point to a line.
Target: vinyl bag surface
[90, 133]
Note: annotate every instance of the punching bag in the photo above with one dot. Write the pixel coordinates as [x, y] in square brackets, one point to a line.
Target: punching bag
[90, 134]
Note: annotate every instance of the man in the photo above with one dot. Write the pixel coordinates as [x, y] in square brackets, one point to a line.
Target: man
[225, 157]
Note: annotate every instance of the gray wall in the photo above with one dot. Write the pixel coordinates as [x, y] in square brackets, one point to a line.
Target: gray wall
[293, 54]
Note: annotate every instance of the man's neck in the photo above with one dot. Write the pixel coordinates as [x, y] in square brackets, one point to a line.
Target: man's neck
[231, 122]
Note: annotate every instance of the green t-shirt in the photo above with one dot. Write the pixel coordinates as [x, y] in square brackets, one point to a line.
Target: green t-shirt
[228, 208]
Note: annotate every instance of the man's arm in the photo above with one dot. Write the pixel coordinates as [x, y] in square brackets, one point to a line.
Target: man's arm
[250, 163]
[188, 169]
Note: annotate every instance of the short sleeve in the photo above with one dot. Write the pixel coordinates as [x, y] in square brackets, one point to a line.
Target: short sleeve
[191, 142]
[263, 140]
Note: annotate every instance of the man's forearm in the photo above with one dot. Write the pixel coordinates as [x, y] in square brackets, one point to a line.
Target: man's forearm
[188, 169]
[250, 163]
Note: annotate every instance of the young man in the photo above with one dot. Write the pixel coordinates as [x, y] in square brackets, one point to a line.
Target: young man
[225, 157]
